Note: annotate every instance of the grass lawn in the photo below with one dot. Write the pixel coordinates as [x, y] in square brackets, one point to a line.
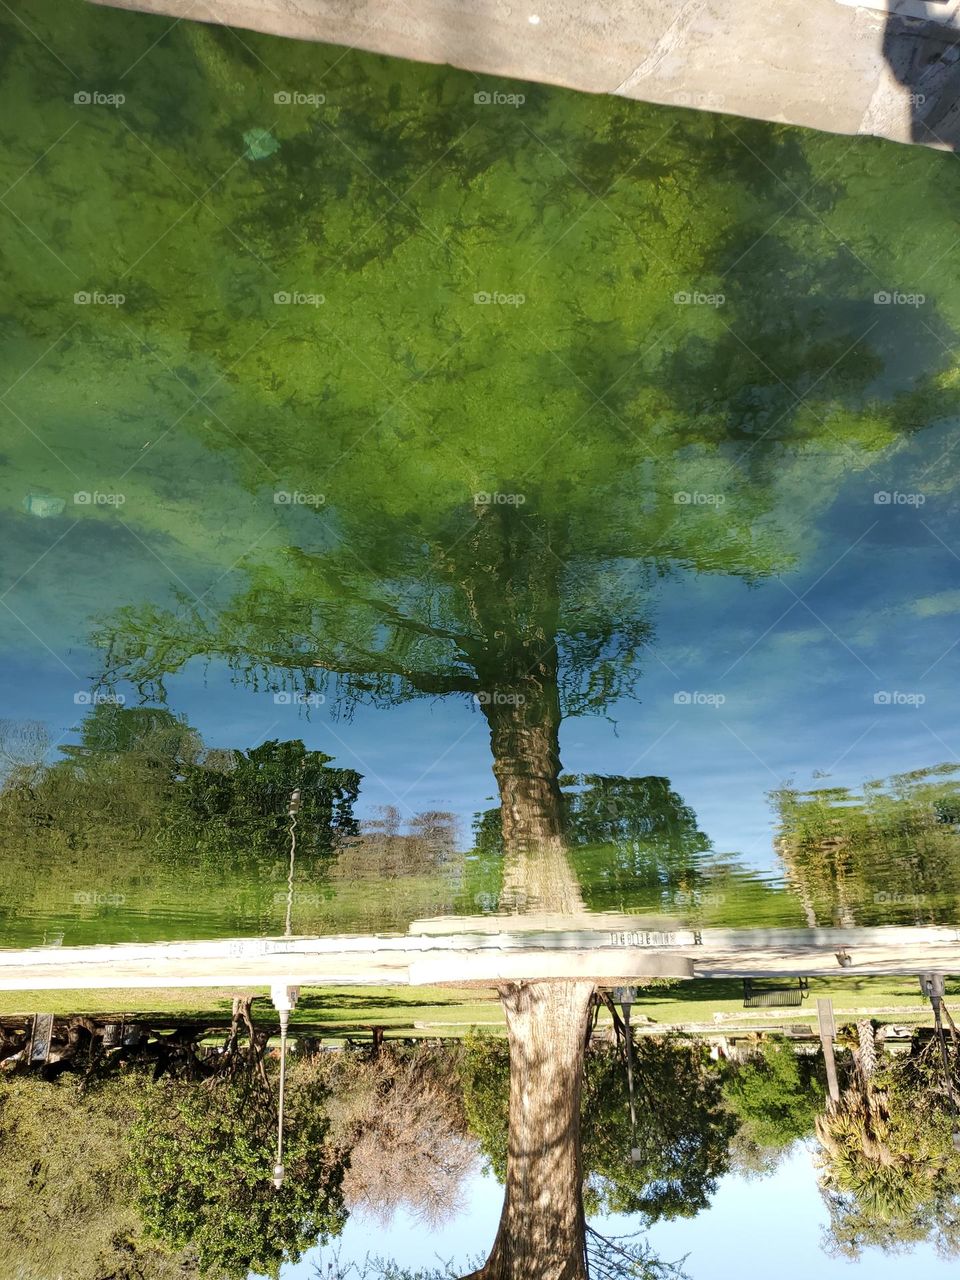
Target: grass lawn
[438, 1011]
[699, 1001]
[399, 1009]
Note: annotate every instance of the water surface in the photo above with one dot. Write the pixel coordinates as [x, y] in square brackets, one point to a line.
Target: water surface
[573, 459]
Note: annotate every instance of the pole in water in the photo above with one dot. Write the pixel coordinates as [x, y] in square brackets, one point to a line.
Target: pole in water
[293, 808]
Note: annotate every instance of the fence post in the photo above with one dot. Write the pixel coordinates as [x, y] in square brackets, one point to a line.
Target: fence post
[828, 1031]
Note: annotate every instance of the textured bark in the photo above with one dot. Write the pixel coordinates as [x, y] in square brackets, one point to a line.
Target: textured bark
[866, 1051]
[542, 1233]
[524, 722]
[524, 726]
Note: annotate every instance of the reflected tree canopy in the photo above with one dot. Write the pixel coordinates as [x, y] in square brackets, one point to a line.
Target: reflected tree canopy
[412, 401]
[888, 854]
[140, 808]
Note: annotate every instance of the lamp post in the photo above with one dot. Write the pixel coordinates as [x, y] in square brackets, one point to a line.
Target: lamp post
[284, 1000]
[625, 997]
[932, 986]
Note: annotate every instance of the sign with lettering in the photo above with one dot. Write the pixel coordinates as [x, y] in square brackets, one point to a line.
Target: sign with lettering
[654, 938]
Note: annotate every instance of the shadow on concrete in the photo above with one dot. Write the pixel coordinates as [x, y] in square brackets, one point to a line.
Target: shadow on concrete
[924, 55]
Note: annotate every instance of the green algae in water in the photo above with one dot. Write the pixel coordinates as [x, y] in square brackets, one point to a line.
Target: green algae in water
[260, 144]
[694, 210]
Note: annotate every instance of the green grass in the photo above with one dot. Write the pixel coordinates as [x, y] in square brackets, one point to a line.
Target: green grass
[698, 1001]
[450, 1011]
[336, 1009]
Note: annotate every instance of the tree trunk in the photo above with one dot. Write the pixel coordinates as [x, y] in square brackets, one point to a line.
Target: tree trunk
[866, 1051]
[524, 722]
[542, 1233]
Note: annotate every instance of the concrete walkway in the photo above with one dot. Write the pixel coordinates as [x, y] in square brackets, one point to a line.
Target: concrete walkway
[605, 955]
[885, 67]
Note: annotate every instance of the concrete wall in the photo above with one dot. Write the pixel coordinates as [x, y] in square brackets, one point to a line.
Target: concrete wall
[509, 956]
[830, 64]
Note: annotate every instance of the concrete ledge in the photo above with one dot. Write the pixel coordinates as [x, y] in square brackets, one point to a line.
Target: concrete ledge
[843, 67]
[599, 966]
[506, 956]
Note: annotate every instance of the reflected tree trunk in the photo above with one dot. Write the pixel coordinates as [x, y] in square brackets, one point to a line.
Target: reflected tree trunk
[524, 721]
[542, 1232]
[817, 872]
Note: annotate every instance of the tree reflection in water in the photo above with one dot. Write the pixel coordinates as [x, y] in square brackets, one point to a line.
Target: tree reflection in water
[489, 502]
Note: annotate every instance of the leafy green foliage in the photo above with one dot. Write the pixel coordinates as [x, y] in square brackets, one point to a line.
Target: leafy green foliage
[682, 1132]
[139, 810]
[597, 401]
[220, 811]
[888, 854]
[66, 1187]
[400, 398]
[683, 1128]
[890, 1172]
[485, 1073]
[140, 766]
[203, 1160]
[773, 1095]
